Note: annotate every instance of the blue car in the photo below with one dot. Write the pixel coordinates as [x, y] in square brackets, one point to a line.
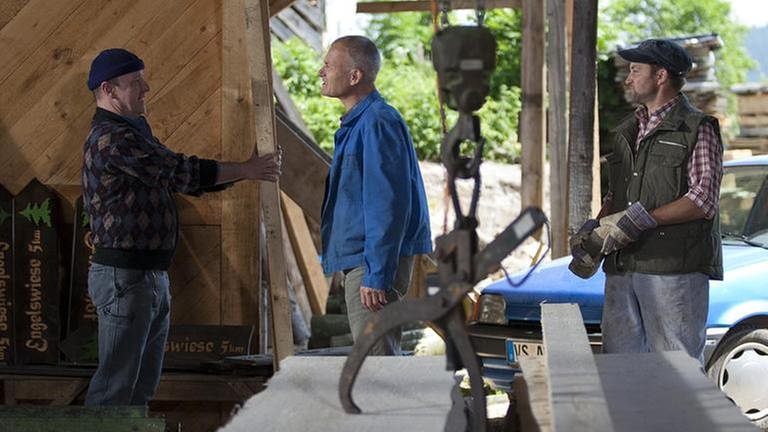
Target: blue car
[506, 324]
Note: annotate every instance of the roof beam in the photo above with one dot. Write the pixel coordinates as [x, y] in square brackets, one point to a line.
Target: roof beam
[426, 5]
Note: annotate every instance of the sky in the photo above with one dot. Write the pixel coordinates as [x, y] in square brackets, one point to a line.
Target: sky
[752, 13]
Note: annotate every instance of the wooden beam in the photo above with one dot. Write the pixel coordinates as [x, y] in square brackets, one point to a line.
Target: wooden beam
[239, 204]
[532, 114]
[295, 278]
[285, 102]
[259, 59]
[276, 6]
[582, 113]
[426, 5]
[305, 164]
[576, 394]
[557, 126]
[306, 256]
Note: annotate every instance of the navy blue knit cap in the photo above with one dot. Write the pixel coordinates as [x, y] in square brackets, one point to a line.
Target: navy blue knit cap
[112, 63]
[663, 52]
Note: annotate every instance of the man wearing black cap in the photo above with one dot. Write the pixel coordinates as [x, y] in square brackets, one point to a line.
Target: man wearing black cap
[129, 179]
[661, 240]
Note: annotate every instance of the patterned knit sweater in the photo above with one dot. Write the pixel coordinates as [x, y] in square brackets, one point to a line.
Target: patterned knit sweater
[129, 179]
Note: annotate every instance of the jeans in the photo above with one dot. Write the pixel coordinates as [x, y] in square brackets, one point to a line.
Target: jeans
[134, 311]
[389, 344]
[644, 312]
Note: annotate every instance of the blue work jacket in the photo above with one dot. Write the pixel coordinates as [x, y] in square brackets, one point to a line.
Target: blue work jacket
[375, 208]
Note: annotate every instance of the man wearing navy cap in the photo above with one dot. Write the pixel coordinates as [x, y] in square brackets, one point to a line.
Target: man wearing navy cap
[661, 240]
[129, 179]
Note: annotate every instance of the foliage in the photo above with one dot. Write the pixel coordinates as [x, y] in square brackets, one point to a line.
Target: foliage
[407, 80]
[298, 65]
[402, 38]
[405, 42]
[506, 25]
[635, 20]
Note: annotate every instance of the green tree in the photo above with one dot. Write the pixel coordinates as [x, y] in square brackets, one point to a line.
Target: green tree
[298, 66]
[635, 20]
[408, 81]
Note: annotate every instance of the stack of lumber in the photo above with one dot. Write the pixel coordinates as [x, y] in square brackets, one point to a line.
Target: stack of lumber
[571, 389]
[753, 118]
[702, 87]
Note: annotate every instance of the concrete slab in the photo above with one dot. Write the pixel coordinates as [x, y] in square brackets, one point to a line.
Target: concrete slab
[665, 392]
[395, 394]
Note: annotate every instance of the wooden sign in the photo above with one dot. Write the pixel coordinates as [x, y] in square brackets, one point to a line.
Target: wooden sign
[191, 345]
[6, 277]
[36, 283]
[81, 320]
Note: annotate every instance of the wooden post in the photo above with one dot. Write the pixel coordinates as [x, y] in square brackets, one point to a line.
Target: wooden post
[260, 66]
[581, 147]
[557, 126]
[240, 203]
[532, 115]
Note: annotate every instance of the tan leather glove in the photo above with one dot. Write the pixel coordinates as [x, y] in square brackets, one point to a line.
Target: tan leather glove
[622, 228]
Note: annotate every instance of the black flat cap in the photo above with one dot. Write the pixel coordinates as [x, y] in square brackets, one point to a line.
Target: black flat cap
[662, 52]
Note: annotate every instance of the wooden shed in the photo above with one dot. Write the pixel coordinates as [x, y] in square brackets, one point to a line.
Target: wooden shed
[199, 103]
[208, 66]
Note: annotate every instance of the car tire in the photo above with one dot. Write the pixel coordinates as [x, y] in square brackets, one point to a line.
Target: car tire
[739, 367]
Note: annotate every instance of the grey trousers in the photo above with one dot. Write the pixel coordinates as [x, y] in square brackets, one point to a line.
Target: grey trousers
[644, 312]
[389, 344]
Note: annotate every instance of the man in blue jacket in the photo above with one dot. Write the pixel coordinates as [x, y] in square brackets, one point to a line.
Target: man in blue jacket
[375, 216]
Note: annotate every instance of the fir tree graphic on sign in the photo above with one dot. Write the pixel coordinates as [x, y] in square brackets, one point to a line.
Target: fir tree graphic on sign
[4, 215]
[37, 213]
[85, 220]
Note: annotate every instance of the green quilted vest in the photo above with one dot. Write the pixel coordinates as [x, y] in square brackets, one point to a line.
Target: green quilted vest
[656, 176]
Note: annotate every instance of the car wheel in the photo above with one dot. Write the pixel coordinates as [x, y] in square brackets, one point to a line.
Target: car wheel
[739, 367]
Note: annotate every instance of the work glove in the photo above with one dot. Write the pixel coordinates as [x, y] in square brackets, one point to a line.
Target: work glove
[577, 239]
[622, 228]
[586, 249]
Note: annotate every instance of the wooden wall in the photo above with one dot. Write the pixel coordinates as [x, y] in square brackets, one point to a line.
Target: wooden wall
[45, 110]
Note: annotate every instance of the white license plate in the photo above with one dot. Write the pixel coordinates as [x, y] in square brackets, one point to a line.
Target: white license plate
[523, 348]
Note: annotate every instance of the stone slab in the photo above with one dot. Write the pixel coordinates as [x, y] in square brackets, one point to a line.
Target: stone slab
[394, 393]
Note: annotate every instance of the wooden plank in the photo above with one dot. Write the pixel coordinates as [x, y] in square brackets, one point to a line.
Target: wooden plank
[286, 104]
[295, 277]
[196, 278]
[753, 104]
[62, 55]
[665, 392]
[312, 13]
[306, 165]
[37, 292]
[260, 66]
[756, 120]
[240, 216]
[532, 114]
[48, 137]
[395, 393]
[557, 125]
[7, 273]
[426, 6]
[306, 256]
[536, 410]
[576, 394]
[276, 6]
[24, 30]
[301, 28]
[582, 114]
[176, 103]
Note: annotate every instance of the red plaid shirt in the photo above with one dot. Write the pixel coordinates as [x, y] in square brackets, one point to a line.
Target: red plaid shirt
[705, 166]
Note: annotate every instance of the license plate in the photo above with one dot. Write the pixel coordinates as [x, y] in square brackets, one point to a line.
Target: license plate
[523, 348]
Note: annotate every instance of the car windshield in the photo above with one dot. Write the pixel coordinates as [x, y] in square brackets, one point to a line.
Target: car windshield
[744, 204]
